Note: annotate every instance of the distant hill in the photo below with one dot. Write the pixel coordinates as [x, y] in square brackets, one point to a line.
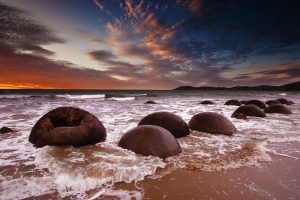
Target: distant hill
[288, 87]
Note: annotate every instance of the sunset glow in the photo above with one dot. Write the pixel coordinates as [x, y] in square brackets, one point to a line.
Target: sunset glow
[138, 44]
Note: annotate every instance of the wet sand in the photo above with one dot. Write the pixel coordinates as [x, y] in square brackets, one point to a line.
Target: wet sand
[278, 179]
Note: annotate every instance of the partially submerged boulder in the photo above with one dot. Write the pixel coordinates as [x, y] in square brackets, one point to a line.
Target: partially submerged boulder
[278, 108]
[67, 126]
[233, 102]
[272, 102]
[249, 110]
[211, 122]
[150, 102]
[5, 129]
[173, 123]
[240, 116]
[207, 102]
[256, 102]
[284, 101]
[150, 140]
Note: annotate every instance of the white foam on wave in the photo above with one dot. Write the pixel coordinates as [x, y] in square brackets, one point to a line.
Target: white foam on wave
[20, 188]
[97, 167]
[209, 152]
[282, 94]
[121, 98]
[90, 96]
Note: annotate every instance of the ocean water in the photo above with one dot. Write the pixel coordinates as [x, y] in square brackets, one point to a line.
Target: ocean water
[73, 172]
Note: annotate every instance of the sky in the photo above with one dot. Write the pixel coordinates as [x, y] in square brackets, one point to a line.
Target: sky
[143, 44]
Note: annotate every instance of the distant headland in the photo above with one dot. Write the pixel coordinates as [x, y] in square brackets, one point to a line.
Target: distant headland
[288, 87]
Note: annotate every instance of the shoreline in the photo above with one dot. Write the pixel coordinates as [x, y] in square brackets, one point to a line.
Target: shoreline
[276, 179]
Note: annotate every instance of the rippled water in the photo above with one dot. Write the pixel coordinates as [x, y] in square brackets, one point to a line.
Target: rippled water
[26, 171]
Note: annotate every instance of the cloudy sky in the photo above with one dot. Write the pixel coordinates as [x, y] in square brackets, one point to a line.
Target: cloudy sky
[143, 44]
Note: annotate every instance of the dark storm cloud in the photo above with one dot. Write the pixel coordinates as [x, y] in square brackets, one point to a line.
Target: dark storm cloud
[18, 31]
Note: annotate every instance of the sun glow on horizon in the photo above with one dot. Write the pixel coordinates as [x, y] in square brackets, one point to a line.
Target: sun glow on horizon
[23, 86]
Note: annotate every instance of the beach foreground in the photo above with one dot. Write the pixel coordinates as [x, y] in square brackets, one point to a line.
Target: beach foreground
[278, 179]
[260, 161]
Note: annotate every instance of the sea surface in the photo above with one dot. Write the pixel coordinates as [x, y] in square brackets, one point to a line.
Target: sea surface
[92, 171]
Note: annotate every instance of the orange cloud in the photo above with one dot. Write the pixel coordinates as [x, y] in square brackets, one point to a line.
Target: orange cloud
[101, 7]
[160, 49]
[193, 5]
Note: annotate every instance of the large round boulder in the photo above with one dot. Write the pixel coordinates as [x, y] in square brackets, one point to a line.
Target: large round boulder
[278, 108]
[211, 122]
[249, 110]
[233, 102]
[207, 102]
[284, 101]
[67, 126]
[272, 102]
[150, 140]
[256, 102]
[173, 123]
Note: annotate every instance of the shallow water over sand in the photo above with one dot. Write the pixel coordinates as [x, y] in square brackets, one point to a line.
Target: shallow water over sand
[93, 171]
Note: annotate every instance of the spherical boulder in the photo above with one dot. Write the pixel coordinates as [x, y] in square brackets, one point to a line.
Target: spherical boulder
[249, 110]
[207, 102]
[150, 102]
[284, 101]
[233, 102]
[278, 108]
[150, 140]
[256, 102]
[5, 129]
[211, 122]
[173, 123]
[272, 102]
[67, 126]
